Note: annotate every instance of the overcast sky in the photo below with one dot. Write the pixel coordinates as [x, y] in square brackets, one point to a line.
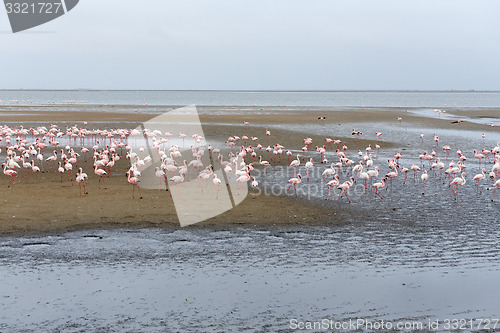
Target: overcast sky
[258, 44]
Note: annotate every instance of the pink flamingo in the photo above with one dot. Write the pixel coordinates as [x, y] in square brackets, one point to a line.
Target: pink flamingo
[309, 165]
[424, 178]
[11, 173]
[344, 188]
[100, 173]
[378, 186]
[478, 178]
[332, 184]
[415, 168]
[217, 183]
[294, 182]
[392, 175]
[85, 151]
[135, 182]
[243, 179]
[35, 170]
[459, 181]
[478, 156]
[69, 167]
[405, 171]
[177, 179]
[295, 164]
[51, 159]
[81, 178]
[255, 184]
[60, 170]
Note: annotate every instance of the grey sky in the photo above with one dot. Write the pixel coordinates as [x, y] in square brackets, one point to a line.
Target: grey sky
[270, 44]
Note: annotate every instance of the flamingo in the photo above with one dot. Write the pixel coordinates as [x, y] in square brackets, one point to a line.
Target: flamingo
[52, 159]
[60, 170]
[35, 170]
[81, 178]
[332, 184]
[478, 156]
[344, 188]
[135, 182]
[69, 167]
[424, 178]
[243, 179]
[378, 186]
[217, 182]
[294, 181]
[295, 164]
[11, 173]
[100, 173]
[415, 168]
[364, 176]
[330, 172]
[254, 184]
[392, 175]
[85, 151]
[27, 166]
[478, 178]
[459, 181]
[405, 171]
[264, 163]
[309, 165]
[176, 180]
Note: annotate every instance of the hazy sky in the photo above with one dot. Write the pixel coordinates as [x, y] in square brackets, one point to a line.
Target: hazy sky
[258, 44]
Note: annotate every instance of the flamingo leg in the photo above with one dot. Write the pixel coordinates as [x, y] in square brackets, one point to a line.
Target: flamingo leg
[347, 196]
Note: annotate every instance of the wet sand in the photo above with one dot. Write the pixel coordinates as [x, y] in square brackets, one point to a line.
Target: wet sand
[52, 206]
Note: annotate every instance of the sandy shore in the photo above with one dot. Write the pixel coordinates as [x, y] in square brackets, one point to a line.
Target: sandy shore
[52, 206]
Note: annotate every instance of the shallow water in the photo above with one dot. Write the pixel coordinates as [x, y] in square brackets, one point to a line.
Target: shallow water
[406, 257]
[249, 279]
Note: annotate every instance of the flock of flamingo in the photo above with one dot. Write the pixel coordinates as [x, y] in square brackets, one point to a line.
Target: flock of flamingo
[61, 150]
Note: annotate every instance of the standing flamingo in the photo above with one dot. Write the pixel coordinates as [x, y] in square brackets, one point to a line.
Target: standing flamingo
[217, 183]
[81, 178]
[378, 186]
[35, 170]
[295, 164]
[60, 170]
[100, 173]
[478, 178]
[424, 178]
[344, 188]
[332, 184]
[459, 181]
[294, 182]
[69, 167]
[309, 165]
[11, 173]
[254, 184]
[135, 182]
